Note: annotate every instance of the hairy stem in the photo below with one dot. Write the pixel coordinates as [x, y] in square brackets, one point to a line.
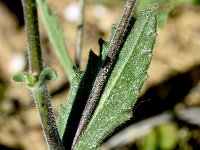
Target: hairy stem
[106, 69]
[40, 94]
[79, 34]
[32, 34]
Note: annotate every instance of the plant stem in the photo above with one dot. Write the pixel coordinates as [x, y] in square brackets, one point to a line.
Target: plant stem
[42, 100]
[40, 94]
[32, 33]
[79, 34]
[100, 81]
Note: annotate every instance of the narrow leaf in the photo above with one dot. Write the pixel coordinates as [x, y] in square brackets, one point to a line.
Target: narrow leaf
[65, 111]
[125, 82]
[104, 46]
[56, 37]
[70, 114]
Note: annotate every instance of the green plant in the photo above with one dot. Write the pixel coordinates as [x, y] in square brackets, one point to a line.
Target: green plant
[102, 96]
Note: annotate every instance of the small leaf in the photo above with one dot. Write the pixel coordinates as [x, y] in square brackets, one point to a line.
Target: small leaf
[48, 74]
[30, 80]
[20, 77]
[124, 83]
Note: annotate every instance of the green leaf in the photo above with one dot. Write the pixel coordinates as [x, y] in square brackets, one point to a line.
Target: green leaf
[31, 80]
[82, 82]
[20, 77]
[104, 46]
[56, 37]
[144, 3]
[34, 80]
[64, 112]
[48, 74]
[124, 83]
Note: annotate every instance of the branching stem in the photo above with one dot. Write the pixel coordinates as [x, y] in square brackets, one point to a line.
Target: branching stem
[106, 69]
[40, 94]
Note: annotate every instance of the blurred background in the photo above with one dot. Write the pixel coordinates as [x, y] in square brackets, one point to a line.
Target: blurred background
[167, 114]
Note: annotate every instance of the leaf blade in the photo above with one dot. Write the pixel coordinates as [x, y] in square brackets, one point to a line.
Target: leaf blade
[56, 37]
[115, 104]
[64, 111]
[70, 114]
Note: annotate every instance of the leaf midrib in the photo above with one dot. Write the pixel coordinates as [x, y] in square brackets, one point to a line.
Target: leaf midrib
[117, 76]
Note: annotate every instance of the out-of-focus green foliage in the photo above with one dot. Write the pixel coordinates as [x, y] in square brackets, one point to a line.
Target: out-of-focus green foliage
[108, 2]
[169, 136]
[164, 137]
[165, 7]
